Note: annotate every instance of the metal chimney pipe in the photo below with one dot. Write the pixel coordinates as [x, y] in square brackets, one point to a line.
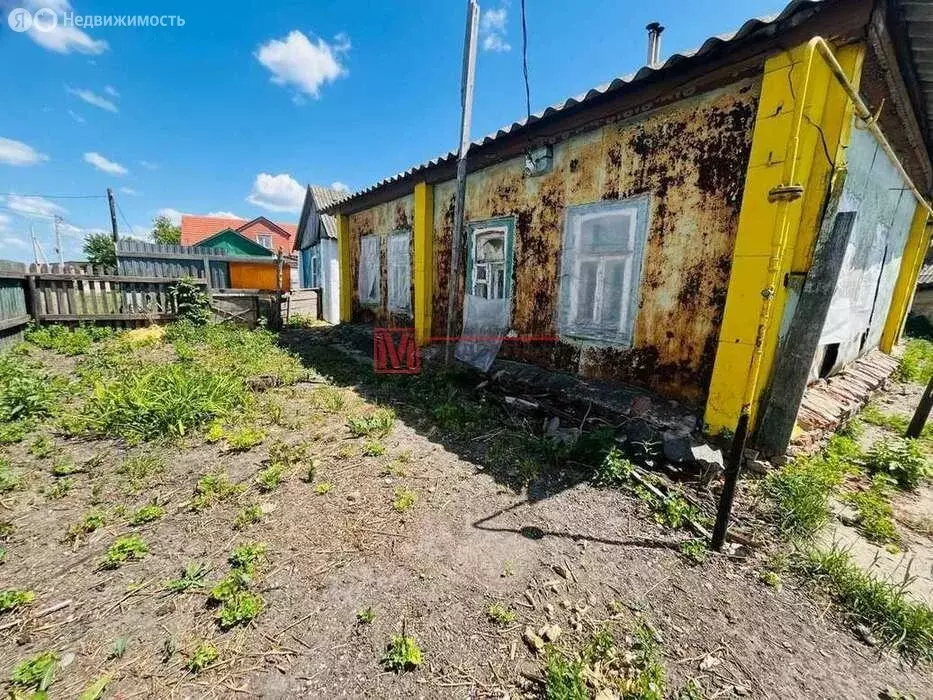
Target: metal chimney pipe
[654, 44]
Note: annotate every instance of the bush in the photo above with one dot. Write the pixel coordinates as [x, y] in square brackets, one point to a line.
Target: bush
[99, 249]
[165, 400]
[917, 362]
[26, 392]
[194, 306]
[66, 341]
[901, 460]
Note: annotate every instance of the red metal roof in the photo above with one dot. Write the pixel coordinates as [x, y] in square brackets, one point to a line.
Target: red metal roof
[197, 228]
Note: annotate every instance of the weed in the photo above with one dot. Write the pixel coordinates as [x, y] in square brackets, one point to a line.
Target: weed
[393, 468]
[564, 678]
[323, 488]
[6, 530]
[916, 364]
[192, 576]
[268, 479]
[248, 516]
[694, 550]
[214, 488]
[138, 468]
[234, 582]
[328, 399]
[246, 557]
[66, 341]
[239, 609]
[873, 415]
[93, 520]
[287, 455]
[649, 682]
[675, 512]
[801, 491]
[902, 460]
[886, 608]
[14, 431]
[2, 554]
[118, 649]
[64, 466]
[346, 451]
[376, 424]
[310, 471]
[194, 305]
[147, 514]
[402, 653]
[203, 656]
[161, 401]
[244, 438]
[508, 569]
[875, 512]
[215, 431]
[9, 480]
[404, 499]
[35, 674]
[11, 599]
[614, 471]
[95, 691]
[365, 616]
[772, 578]
[500, 614]
[124, 549]
[373, 448]
[27, 392]
[43, 446]
[61, 488]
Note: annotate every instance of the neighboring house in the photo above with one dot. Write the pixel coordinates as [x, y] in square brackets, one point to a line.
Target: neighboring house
[270, 235]
[708, 229]
[316, 244]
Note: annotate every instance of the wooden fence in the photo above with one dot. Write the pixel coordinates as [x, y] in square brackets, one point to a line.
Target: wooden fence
[13, 312]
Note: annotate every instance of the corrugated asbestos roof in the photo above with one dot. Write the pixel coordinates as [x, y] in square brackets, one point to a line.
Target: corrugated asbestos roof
[757, 25]
[918, 20]
[324, 197]
[926, 275]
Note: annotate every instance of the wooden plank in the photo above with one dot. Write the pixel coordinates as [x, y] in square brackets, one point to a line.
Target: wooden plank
[12, 275]
[117, 278]
[91, 299]
[107, 317]
[70, 296]
[14, 322]
[225, 257]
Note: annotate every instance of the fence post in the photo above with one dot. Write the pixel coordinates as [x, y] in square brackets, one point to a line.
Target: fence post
[32, 297]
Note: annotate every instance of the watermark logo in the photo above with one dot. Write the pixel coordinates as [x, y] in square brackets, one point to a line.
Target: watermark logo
[395, 351]
[46, 19]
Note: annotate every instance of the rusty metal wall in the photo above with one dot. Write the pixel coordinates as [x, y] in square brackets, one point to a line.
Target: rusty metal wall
[691, 159]
[380, 220]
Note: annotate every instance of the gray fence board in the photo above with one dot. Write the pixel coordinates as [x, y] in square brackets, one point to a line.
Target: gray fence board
[139, 258]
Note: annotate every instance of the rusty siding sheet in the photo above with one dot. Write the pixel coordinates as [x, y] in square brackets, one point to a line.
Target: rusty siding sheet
[691, 158]
[380, 220]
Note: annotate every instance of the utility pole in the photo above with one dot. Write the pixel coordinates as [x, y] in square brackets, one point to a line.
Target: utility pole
[466, 116]
[35, 244]
[922, 413]
[58, 242]
[113, 213]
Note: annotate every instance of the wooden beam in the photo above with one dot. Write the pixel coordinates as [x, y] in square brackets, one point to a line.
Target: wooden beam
[14, 322]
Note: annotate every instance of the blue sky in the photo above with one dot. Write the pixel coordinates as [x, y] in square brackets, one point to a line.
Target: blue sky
[247, 102]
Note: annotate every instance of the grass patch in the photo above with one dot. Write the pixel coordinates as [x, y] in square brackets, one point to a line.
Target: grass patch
[138, 468]
[237, 604]
[93, 520]
[500, 615]
[161, 401]
[240, 608]
[43, 446]
[404, 499]
[65, 466]
[244, 438]
[801, 491]
[694, 551]
[190, 577]
[901, 460]
[12, 599]
[899, 622]
[27, 393]
[323, 488]
[373, 448]
[35, 674]
[916, 364]
[124, 549]
[876, 517]
[9, 479]
[376, 424]
[203, 656]
[67, 341]
[61, 488]
[328, 399]
[365, 616]
[248, 516]
[268, 479]
[212, 489]
[402, 653]
[147, 514]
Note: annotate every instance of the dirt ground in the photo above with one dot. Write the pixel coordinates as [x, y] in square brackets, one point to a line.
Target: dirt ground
[558, 550]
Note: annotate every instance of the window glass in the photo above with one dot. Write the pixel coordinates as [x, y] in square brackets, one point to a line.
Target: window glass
[368, 276]
[399, 266]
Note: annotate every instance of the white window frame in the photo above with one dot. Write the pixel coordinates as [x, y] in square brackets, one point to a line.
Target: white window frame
[630, 253]
[489, 268]
[264, 237]
[398, 268]
[315, 268]
[370, 241]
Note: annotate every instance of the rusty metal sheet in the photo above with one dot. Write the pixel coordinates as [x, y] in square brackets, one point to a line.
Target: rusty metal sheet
[691, 159]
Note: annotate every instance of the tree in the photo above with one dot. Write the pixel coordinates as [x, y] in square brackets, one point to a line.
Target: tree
[165, 232]
[100, 249]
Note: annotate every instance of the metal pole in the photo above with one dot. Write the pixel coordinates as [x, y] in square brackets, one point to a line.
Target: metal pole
[733, 470]
[922, 413]
[466, 103]
[113, 213]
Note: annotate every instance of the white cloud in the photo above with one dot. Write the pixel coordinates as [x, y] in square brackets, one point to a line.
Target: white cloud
[149, 166]
[77, 117]
[129, 191]
[492, 30]
[93, 99]
[15, 242]
[62, 39]
[32, 206]
[339, 186]
[224, 215]
[304, 63]
[4, 221]
[19, 153]
[277, 193]
[112, 91]
[104, 165]
[172, 214]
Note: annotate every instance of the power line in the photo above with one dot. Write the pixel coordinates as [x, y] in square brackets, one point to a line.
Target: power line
[123, 216]
[525, 62]
[54, 196]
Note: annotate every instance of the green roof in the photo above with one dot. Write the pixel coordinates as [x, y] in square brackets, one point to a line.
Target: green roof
[234, 243]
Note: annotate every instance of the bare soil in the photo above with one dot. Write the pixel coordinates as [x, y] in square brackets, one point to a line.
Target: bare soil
[557, 549]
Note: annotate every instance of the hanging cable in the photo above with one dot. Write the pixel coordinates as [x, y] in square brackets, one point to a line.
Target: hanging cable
[123, 216]
[525, 62]
[54, 196]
